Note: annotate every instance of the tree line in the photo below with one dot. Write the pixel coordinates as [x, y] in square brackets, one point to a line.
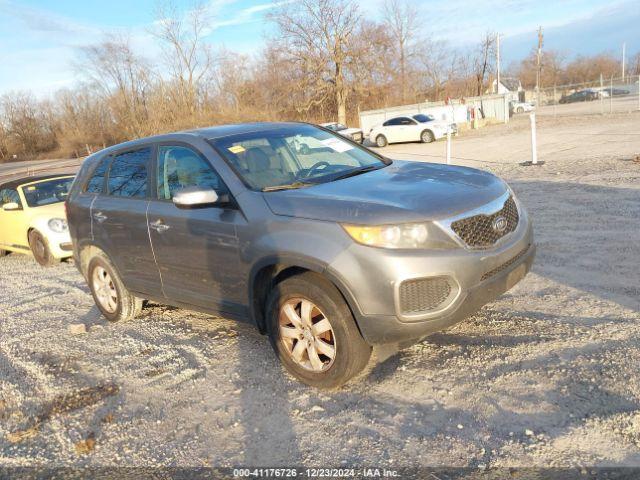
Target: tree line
[325, 62]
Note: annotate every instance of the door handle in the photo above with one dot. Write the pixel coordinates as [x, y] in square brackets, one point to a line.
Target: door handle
[99, 217]
[159, 226]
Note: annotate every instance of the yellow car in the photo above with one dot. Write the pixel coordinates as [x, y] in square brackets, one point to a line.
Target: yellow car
[33, 220]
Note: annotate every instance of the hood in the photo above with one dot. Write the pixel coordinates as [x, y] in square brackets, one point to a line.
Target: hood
[54, 210]
[350, 131]
[399, 193]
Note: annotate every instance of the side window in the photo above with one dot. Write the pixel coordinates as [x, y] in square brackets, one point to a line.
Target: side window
[180, 167]
[9, 195]
[128, 174]
[392, 122]
[407, 121]
[96, 182]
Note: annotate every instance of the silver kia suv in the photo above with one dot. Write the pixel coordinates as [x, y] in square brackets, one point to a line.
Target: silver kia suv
[326, 246]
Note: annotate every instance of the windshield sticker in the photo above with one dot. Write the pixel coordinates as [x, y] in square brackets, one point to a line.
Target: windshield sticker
[31, 188]
[337, 145]
[236, 149]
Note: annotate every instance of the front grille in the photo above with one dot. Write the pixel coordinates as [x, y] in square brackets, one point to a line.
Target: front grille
[478, 231]
[423, 295]
[505, 265]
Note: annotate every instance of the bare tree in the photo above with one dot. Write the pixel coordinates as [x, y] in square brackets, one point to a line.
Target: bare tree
[188, 56]
[123, 77]
[27, 124]
[319, 35]
[401, 18]
[484, 58]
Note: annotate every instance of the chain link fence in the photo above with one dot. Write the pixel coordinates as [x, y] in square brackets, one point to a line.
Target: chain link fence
[599, 96]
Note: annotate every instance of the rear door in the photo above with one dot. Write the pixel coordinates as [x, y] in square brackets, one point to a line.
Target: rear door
[196, 250]
[119, 220]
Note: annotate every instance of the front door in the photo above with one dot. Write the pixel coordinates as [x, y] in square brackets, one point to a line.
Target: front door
[119, 221]
[13, 228]
[197, 249]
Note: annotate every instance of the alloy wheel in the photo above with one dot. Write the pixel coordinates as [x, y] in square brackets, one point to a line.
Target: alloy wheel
[307, 335]
[105, 289]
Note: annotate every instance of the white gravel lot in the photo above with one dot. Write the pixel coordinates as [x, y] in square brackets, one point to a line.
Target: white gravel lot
[545, 376]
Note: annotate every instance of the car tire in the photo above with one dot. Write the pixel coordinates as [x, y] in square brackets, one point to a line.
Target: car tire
[4, 253]
[112, 298]
[381, 141]
[328, 329]
[40, 249]
[520, 110]
[427, 136]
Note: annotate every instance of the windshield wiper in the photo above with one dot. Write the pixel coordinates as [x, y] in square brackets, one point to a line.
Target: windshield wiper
[287, 186]
[355, 171]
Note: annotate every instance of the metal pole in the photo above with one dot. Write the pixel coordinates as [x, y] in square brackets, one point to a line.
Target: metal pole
[624, 48]
[611, 96]
[449, 146]
[555, 101]
[601, 95]
[498, 63]
[534, 149]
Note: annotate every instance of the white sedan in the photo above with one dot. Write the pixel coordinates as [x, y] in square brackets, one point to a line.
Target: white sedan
[416, 128]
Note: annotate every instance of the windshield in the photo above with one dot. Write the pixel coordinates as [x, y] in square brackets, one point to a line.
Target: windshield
[48, 192]
[423, 118]
[336, 127]
[292, 155]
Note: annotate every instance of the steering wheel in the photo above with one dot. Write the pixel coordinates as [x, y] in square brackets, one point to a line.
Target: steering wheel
[315, 167]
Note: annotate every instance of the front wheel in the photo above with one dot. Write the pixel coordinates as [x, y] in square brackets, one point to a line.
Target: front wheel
[381, 141]
[427, 136]
[112, 298]
[313, 332]
[4, 253]
[40, 249]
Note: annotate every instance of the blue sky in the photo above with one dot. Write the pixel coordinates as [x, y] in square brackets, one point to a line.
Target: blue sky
[40, 39]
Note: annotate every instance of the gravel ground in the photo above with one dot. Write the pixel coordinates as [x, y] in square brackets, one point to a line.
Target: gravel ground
[545, 376]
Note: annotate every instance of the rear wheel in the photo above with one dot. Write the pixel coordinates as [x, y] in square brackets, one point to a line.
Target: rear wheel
[112, 298]
[3, 253]
[40, 249]
[427, 136]
[381, 141]
[313, 332]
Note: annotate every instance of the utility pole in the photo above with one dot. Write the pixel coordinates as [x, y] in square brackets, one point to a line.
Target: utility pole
[624, 48]
[497, 63]
[538, 64]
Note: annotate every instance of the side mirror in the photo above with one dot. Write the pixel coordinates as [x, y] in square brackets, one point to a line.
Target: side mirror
[8, 207]
[194, 197]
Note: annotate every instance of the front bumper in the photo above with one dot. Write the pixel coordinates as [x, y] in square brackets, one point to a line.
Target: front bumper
[60, 244]
[373, 276]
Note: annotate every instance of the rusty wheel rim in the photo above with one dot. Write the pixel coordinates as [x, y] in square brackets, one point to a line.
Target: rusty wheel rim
[307, 335]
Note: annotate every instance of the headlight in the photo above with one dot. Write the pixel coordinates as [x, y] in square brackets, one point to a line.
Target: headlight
[410, 235]
[58, 225]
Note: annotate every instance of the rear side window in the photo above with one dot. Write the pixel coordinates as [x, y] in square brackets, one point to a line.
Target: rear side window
[392, 122]
[96, 182]
[8, 195]
[180, 167]
[128, 174]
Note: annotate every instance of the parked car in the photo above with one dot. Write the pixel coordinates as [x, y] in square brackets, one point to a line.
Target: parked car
[32, 218]
[615, 91]
[416, 128]
[581, 96]
[354, 134]
[521, 107]
[329, 252]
